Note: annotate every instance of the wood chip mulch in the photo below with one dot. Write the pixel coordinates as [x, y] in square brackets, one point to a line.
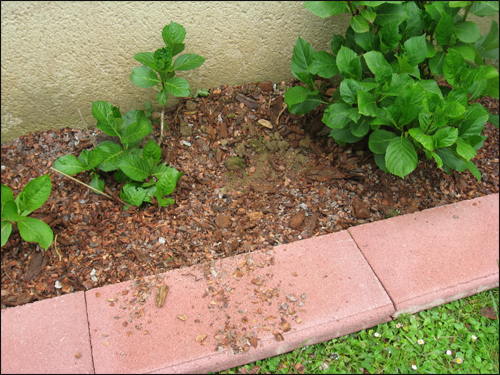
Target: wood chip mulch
[291, 182]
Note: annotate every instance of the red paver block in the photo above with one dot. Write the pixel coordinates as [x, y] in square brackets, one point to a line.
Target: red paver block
[237, 310]
[49, 337]
[434, 256]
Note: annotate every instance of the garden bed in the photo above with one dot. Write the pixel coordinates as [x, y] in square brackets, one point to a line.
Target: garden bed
[248, 185]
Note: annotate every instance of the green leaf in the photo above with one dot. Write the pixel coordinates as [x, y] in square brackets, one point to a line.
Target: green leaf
[10, 212]
[390, 12]
[484, 8]
[144, 76]
[361, 128]
[453, 109]
[303, 54]
[401, 158]
[451, 159]
[177, 86]
[34, 194]
[133, 194]
[445, 137]
[359, 24]
[90, 159]
[492, 88]
[477, 89]
[134, 167]
[485, 72]
[444, 29]
[188, 61]
[368, 41]
[388, 35]
[326, 9]
[431, 50]
[312, 101]
[424, 139]
[349, 91]
[344, 135]
[431, 86]
[173, 34]
[338, 115]
[146, 58]
[465, 150]
[161, 97]
[108, 118]
[487, 45]
[458, 4]
[415, 50]
[414, 23]
[69, 164]
[323, 64]
[379, 140]
[349, 63]
[379, 66]
[97, 182]
[297, 94]
[367, 104]
[368, 15]
[6, 231]
[337, 42]
[467, 32]
[163, 59]
[167, 180]
[473, 169]
[436, 63]
[151, 151]
[454, 67]
[35, 230]
[138, 126]
[7, 195]
[112, 155]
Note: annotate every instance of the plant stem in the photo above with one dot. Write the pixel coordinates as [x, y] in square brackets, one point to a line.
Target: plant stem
[90, 187]
[161, 126]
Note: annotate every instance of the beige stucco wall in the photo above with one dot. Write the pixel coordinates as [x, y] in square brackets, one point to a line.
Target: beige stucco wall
[57, 57]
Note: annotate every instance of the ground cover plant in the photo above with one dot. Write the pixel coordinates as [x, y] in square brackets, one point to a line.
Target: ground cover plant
[159, 69]
[139, 169]
[387, 61]
[35, 194]
[458, 337]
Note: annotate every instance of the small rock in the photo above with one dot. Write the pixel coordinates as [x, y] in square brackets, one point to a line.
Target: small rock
[267, 86]
[240, 150]
[186, 131]
[297, 220]
[272, 146]
[361, 209]
[411, 209]
[190, 105]
[202, 145]
[222, 221]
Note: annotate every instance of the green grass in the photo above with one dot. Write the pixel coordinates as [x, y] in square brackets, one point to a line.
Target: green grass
[452, 338]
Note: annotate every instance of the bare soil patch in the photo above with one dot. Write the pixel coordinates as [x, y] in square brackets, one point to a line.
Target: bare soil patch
[249, 184]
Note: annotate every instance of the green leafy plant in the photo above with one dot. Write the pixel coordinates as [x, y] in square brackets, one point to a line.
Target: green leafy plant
[201, 92]
[33, 196]
[139, 169]
[159, 67]
[388, 59]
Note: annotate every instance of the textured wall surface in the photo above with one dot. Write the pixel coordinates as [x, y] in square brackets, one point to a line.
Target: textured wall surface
[57, 57]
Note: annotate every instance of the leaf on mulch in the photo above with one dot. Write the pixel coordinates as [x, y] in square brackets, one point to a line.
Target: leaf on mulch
[297, 219]
[299, 367]
[488, 312]
[35, 265]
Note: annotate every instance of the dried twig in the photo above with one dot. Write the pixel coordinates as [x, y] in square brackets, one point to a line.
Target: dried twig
[278, 118]
[94, 189]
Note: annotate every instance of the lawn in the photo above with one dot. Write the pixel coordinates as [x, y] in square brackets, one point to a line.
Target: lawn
[452, 338]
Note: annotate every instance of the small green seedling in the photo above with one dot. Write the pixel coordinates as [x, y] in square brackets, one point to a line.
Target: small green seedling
[34, 195]
[159, 68]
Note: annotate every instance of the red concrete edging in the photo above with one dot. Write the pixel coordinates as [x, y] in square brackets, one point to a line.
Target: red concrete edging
[263, 303]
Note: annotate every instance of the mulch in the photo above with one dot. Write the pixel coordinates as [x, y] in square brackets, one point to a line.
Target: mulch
[290, 182]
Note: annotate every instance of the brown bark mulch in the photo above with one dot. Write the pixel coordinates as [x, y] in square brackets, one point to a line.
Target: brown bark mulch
[291, 182]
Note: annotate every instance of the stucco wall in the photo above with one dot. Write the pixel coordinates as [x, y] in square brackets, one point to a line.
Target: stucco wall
[57, 57]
